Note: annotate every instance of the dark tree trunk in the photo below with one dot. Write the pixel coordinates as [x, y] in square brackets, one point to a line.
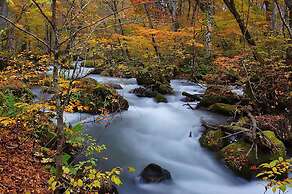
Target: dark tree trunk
[289, 5]
[248, 37]
[154, 43]
[269, 13]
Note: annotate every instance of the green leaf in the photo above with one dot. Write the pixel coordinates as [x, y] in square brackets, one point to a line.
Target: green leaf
[78, 127]
[65, 159]
[283, 188]
[66, 170]
[80, 183]
[96, 184]
[116, 180]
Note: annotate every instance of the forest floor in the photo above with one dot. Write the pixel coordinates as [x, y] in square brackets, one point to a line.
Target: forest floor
[20, 171]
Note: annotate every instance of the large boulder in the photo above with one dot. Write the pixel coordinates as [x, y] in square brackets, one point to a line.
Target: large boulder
[213, 140]
[218, 94]
[160, 98]
[92, 97]
[240, 158]
[155, 80]
[154, 173]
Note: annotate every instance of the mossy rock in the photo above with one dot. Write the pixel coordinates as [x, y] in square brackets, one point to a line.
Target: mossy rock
[92, 97]
[236, 155]
[218, 94]
[225, 109]
[165, 89]
[279, 124]
[160, 98]
[279, 149]
[235, 158]
[213, 140]
[143, 92]
[154, 79]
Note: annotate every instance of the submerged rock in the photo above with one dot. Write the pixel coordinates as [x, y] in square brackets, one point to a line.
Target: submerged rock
[154, 173]
[218, 94]
[160, 98]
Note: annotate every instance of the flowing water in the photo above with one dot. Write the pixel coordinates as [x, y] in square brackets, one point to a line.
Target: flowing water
[159, 133]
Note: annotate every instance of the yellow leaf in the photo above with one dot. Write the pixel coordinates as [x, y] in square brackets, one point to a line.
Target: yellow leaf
[80, 183]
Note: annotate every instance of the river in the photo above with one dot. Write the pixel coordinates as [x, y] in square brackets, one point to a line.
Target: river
[159, 133]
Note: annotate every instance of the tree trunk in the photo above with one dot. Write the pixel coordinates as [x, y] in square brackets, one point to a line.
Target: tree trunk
[154, 43]
[59, 106]
[269, 14]
[289, 5]
[247, 36]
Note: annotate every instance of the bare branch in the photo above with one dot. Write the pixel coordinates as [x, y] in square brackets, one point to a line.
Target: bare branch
[43, 14]
[92, 24]
[26, 32]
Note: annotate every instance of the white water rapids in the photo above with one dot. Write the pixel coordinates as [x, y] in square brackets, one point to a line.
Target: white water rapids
[159, 133]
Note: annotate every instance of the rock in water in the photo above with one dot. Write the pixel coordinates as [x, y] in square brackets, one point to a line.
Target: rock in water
[114, 86]
[154, 173]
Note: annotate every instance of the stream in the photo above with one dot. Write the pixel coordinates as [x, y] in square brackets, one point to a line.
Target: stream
[159, 133]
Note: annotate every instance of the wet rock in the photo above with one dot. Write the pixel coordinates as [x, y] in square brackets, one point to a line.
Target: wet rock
[213, 140]
[114, 86]
[240, 159]
[191, 97]
[225, 109]
[143, 92]
[160, 98]
[154, 173]
[93, 97]
[165, 89]
[218, 94]
[155, 80]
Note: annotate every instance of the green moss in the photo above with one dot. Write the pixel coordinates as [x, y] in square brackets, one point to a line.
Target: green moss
[235, 158]
[239, 158]
[279, 149]
[164, 89]
[96, 96]
[213, 140]
[218, 94]
[222, 108]
[160, 98]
